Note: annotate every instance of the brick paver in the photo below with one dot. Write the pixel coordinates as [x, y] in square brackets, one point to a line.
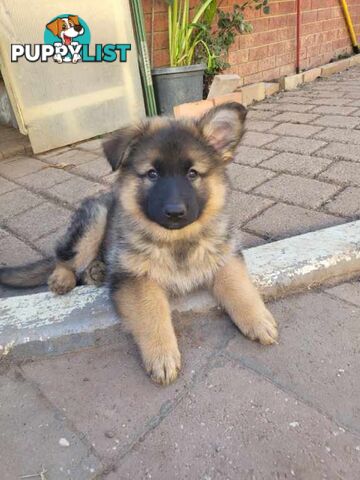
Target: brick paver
[294, 117]
[285, 107]
[282, 220]
[295, 164]
[304, 192]
[296, 145]
[91, 145]
[17, 201]
[74, 190]
[14, 251]
[95, 169]
[6, 186]
[239, 410]
[347, 203]
[245, 178]
[252, 156]
[245, 206]
[350, 292]
[47, 243]
[340, 134]
[45, 178]
[259, 125]
[345, 173]
[72, 157]
[19, 167]
[297, 169]
[257, 139]
[337, 121]
[341, 151]
[334, 110]
[295, 130]
[333, 101]
[39, 221]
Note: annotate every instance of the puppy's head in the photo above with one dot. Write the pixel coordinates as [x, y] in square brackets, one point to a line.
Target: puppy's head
[66, 28]
[172, 172]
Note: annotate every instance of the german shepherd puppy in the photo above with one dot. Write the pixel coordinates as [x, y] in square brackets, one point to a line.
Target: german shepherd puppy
[163, 230]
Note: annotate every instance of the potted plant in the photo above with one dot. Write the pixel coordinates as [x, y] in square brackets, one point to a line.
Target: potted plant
[195, 47]
[182, 81]
[215, 41]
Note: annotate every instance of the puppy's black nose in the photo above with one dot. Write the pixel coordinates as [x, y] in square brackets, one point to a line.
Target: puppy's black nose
[175, 210]
[78, 28]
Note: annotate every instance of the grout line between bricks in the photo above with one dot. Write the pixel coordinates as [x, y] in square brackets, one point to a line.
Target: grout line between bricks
[47, 196]
[333, 196]
[81, 175]
[260, 212]
[335, 297]
[25, 240]
[60, 413]
[168, 407]
[249, 365]
[317, 175]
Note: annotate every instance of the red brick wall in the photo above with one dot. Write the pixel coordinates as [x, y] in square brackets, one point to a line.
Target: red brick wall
[269, 52]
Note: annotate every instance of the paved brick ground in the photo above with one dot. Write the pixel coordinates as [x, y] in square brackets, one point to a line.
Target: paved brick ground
[238, 410]
[298, 169]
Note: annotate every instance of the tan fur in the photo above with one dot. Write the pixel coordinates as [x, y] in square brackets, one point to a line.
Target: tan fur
[157, 254]
[88, 246]
[95, 273]
[145, 310]
[235, 291]
[128, 200]
[62, 280]
[145, 261]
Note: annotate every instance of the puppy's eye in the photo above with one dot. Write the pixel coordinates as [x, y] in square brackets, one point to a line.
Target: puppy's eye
[152, 174]
[64, 26]
[192, 174]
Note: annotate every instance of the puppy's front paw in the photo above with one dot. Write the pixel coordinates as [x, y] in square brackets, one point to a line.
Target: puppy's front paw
[62, 280]
[262, 327]
[163, 365]
[95, 273]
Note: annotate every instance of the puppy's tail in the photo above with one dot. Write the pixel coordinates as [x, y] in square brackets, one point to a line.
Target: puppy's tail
[31, 275]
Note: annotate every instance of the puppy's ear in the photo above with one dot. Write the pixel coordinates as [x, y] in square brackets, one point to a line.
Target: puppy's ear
[223, 127]
[55, 26]
[75, 19]
[118, 147]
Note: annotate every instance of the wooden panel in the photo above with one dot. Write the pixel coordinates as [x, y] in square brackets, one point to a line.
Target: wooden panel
[58, 104]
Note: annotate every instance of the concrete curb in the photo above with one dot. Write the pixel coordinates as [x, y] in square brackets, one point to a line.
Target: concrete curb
[43, 324]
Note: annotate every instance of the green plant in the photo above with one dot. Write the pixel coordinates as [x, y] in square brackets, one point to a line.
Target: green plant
[194, 40]
[214, 43]
[184, 35]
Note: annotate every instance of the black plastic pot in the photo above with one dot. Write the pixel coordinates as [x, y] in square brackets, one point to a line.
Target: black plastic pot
[176, 85]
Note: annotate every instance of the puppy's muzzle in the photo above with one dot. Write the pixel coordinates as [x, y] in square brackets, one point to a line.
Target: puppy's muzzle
[175, 211]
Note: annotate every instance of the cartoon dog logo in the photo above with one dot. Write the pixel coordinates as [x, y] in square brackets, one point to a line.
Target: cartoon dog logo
[67, 29]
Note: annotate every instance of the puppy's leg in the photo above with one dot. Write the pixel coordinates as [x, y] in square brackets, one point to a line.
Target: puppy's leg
[80, 245]
[145, 310]
[62, 280]
[95, 273]
[235, 291]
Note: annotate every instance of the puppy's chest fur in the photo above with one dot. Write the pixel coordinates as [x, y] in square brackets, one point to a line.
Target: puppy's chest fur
[178, 267]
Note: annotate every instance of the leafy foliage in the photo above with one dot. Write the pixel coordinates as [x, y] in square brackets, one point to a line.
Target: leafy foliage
[215, 43]
[184, 34]
[195, 40]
